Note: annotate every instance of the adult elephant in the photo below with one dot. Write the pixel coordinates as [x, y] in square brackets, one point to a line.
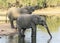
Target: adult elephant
[14, 12]
[31, 21]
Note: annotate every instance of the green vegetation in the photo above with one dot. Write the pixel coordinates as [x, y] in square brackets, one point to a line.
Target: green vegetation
[53, 24]
[4, 3]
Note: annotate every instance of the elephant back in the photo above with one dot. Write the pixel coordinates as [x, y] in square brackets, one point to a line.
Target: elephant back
[13, 12]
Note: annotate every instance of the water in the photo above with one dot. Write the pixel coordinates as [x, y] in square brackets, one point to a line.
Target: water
[42, 37]
[8, 39]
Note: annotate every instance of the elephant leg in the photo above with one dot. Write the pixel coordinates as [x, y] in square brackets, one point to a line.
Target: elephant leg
[11, 22]
[45, 25]
[23, 36]
[19, 36]
[33, 34]
[19, 33]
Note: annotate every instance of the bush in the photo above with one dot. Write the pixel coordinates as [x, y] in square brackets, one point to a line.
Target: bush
[4, 3]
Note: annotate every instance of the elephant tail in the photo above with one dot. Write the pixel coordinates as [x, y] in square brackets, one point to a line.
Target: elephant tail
[6, 18]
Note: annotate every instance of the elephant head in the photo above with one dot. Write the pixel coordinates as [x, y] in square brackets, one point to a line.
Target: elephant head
[36, 7]
[41, 20]
[33, 8]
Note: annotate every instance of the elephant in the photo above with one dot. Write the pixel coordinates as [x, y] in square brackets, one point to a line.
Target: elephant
[14, 12]
[24, 22]
[28, 9]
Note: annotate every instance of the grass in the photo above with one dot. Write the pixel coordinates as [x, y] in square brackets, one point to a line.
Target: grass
[53, 24]
[4, 3]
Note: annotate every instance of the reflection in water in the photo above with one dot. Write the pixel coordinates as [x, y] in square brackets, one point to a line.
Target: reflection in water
[10, 39]
[3, 39]
[49, 40]
[42, 37]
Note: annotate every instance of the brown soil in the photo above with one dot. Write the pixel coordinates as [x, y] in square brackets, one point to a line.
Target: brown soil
[5, 29]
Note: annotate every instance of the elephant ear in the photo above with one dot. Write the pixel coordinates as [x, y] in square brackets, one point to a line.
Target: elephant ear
[35, 19]
[43, 16]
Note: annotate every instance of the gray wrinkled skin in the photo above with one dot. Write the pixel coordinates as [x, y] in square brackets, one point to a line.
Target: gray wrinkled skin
[31, 21]
[14, 12]
[26, 20]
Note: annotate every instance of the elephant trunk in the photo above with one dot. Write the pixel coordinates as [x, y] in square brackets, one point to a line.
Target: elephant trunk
[45, 25]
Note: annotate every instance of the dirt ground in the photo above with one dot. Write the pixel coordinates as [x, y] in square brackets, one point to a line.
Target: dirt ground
[5, 29]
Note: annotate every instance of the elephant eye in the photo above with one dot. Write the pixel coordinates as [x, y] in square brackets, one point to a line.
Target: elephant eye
[39, 19]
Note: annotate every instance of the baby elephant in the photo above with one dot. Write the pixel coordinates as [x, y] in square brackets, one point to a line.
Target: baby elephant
[31, 21]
